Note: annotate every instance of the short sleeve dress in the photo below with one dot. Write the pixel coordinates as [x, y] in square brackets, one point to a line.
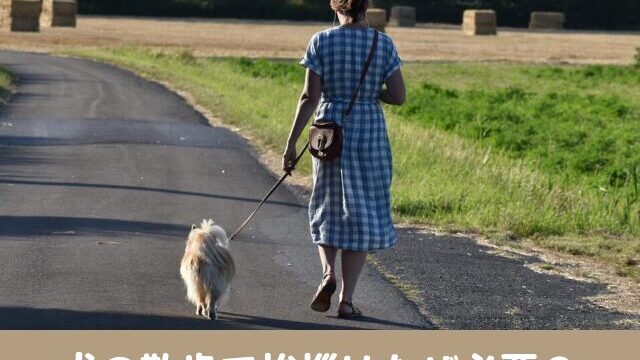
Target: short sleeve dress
[350, 207]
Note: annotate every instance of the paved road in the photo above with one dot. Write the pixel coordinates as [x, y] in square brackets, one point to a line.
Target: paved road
[101, 176]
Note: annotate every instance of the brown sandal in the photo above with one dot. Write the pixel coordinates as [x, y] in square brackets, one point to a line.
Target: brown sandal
[322, 299]
[355, 313]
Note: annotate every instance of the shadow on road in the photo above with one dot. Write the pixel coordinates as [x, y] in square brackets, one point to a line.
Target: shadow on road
[18, 318]
[371, 320]
[145, 189]
[26, 226]
[12, 156]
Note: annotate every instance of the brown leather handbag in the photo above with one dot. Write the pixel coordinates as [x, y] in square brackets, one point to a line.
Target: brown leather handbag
[325, 137]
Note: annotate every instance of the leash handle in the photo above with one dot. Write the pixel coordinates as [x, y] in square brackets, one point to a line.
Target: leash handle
[273, 189]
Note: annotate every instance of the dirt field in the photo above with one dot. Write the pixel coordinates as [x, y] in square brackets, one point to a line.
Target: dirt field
[288, 40]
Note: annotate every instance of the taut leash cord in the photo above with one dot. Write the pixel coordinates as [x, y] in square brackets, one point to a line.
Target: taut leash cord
[273, 189]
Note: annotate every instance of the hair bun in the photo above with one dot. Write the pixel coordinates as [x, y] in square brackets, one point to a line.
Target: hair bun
[355, 9]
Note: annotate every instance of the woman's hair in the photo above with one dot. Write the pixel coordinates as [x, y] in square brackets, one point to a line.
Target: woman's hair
[354, 9]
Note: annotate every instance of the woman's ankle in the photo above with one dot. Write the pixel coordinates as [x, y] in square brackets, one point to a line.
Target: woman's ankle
[345, 300]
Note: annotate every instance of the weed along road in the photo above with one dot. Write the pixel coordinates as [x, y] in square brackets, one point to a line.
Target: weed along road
[102, 175]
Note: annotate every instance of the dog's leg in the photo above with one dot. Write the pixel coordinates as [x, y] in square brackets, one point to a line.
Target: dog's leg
[202, 301]
[209, 308]
[215, 310]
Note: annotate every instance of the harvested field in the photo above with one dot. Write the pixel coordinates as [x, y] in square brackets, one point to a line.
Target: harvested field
[289, 39]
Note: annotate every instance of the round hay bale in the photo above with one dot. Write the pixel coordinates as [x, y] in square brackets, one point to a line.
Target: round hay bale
[64, 21]
[20, 15]
[59, 13]
[377, 18]
[26, 9]
[480, 22]
[25, 24]
[65, 7]
[547, 21]
[404, 16]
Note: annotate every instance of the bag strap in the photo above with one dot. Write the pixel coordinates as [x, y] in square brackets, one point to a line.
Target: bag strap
[364, 74]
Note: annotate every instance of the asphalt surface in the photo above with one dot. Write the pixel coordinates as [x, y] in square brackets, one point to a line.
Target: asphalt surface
[102, 175]
[464, 285]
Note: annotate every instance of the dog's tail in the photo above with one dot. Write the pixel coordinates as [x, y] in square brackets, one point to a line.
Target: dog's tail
[215, 232]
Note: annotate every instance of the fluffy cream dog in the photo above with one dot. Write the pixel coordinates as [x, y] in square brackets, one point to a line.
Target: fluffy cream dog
[207, 267]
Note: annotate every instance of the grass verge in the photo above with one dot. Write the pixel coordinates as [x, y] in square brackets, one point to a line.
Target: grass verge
[547, 153]
[6, 85]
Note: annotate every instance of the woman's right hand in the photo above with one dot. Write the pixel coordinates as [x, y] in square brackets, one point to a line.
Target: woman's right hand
[289, 158]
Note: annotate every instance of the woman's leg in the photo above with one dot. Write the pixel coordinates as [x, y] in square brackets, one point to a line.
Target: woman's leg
[328, 258]
[352, 263]
[322, 299]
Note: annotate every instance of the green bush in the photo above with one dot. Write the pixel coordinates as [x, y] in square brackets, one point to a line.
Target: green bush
[638, 58]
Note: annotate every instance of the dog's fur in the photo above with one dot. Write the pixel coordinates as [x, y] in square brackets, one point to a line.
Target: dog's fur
[207, 267]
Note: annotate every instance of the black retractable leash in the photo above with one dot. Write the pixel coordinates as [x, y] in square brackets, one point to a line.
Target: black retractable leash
[273, 189]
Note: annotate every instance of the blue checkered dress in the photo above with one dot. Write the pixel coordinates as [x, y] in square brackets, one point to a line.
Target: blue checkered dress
[350, 207]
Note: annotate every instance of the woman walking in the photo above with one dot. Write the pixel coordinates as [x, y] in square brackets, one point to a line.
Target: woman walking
[350, 207]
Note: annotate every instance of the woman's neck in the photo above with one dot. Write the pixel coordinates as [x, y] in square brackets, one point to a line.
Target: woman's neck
[348, 22]
[354, 25]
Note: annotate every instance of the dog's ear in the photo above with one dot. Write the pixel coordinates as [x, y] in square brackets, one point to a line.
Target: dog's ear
[193, 227]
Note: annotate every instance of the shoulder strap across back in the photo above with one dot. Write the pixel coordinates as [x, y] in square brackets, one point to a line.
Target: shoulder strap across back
[372, 53]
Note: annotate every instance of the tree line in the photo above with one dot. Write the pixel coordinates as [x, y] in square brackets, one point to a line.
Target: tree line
[581, 14]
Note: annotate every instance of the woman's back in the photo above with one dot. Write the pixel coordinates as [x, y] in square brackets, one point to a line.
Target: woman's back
[338, 56]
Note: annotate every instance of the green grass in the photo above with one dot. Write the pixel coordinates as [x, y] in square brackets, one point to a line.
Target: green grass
[6, 83]
[548, 153]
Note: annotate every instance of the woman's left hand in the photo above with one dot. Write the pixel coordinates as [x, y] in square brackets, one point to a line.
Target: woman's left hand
[289, 159]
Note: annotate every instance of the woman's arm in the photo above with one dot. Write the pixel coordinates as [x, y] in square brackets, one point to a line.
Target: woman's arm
[307, 104]
[395, 93]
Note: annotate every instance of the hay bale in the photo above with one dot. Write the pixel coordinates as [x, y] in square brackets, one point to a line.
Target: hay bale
[59, 13]
[547, 21]
[20, 15]
[480, 22]
[377, 18]
[403, 16]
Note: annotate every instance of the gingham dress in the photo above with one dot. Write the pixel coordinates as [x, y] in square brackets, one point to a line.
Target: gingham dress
[350, 206]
